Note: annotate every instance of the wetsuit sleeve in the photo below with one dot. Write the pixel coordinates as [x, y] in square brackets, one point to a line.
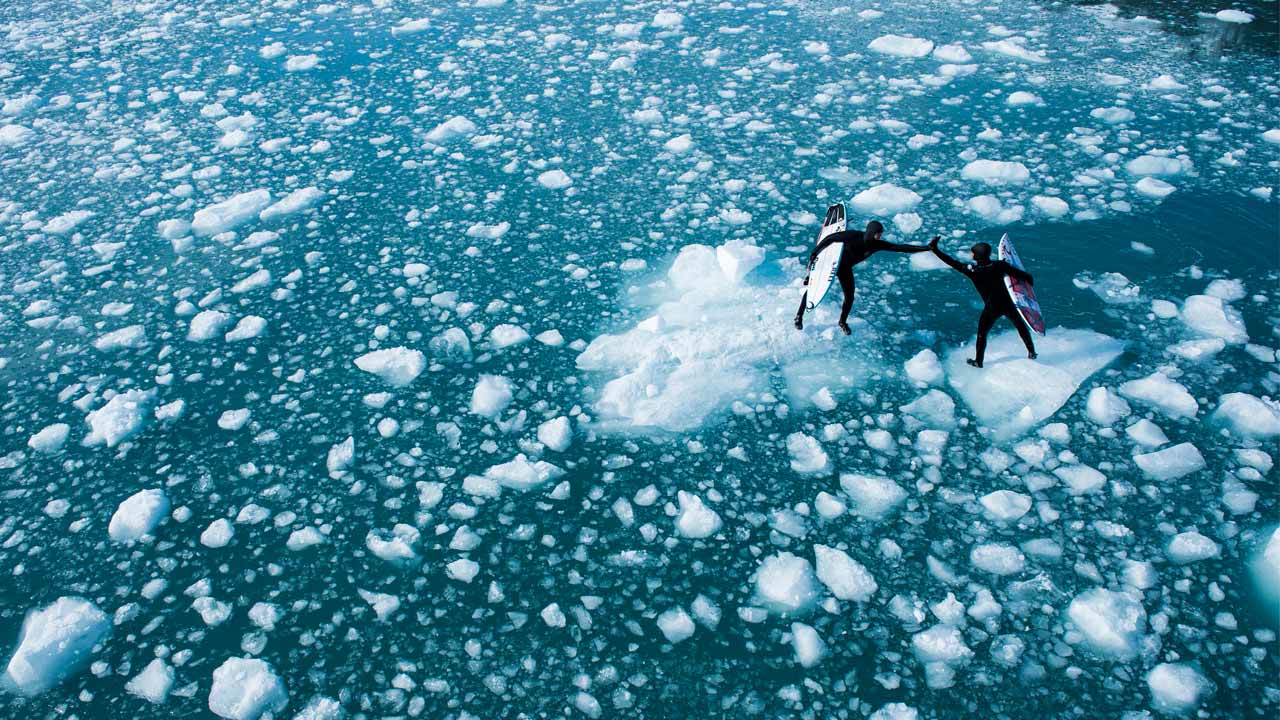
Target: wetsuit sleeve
[954, 263]
[897, 247]
[822, 245]
[1017, 273]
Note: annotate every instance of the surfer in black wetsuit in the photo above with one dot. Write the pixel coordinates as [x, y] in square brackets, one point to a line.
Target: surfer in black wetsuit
[858, 246]
[988, 278]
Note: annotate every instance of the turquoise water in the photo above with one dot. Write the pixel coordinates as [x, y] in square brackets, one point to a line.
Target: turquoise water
[675, 375]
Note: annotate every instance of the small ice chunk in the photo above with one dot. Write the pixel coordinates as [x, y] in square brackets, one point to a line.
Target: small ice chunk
[1234, 16]
[1109, 622]
[696, 520]
[808, 647]
[246, 689]
[1005, 505]
[218, 534]
[1080, 479]
[138, 515]
[845, 577]
[230, 213]
[885, 199]
[1105, 407]
[738, 258]
[294, 202]
[873, 497]
[1247, 415]
[1209, 315]
[1171, 463]
[54, 642]
[153, 683]
[1145, 432]
[784, 583]
[1191, 546]
[1162, 393]
[50, 439]
[397, 366]
[924, 368]
[506, 335]
[207, 325]
[901, 46]
[997, 558]
[676, 625]
[455, 127]
[807, 455]
[1153, 187]
[492, 395]
[1176, 688]
[996, 172]
[554, 179]
[556, 434]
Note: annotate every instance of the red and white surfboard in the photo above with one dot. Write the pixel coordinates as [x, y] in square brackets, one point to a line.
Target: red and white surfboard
[1023, 295]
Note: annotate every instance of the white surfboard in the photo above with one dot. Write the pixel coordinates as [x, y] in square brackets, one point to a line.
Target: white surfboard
[824, 266]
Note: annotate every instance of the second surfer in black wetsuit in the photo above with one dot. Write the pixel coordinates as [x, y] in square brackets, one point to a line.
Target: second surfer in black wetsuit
[858, 246]
[988, 278]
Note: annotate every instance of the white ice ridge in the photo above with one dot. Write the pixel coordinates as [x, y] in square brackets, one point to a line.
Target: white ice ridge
[1011, 393]
[713, 343]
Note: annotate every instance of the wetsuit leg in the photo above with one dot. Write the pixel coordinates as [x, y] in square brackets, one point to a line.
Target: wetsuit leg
[1020, 325]
[985, 321]
[804, 299]
[845, 276]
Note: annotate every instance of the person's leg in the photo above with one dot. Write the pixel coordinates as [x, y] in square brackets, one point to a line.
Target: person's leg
[1024, 332]
[985, 321]
[804, 299]
[847, 286]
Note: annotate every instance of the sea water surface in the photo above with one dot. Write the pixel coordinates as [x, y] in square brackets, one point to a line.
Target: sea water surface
[403, 359]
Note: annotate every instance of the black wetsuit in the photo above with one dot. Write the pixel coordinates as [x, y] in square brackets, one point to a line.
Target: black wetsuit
[988, 278]
[856, 249]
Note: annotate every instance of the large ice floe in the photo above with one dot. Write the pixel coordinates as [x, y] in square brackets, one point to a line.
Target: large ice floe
[717, 338]
[55, 641]
[1012, 393]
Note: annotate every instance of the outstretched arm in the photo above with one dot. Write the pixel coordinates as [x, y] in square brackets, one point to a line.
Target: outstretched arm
[1017, 273]
[899, 247]
[954, 263]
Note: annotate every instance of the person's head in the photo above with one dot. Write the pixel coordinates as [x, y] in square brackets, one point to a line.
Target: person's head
[981, 252]
[874, 230]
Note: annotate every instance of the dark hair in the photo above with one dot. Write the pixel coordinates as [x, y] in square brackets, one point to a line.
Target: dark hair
[981, 251]
[874, 227]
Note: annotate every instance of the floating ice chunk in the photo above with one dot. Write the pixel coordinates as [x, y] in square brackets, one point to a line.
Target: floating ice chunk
[249, 327]
[1080, 479]
[885, 199]
[301, 63]
[1145, 432]
[1191, 546]
[55, 641]
[1154, 165]
[676, 625]
[990, 208]
[397, 366]
[845, 577]
[896, 711]
[13, 135]
[503, 336]
[873, 497]
[294, 202]
[808, 647]
[1053, 207]
[462, 570]
[492, 395]
[935, 408]
[1163, 82]
[1013, 47]
[246, 689]
[340, 456]
[395, 547]
[737, 258]
[383, 604]
[1176, 688]
[1234, 16]
[138, 515]
[1210, 316]
[807, 455]
[303, 539]
[667, 19]
[997, 558]
[66, 222]
[207, 324]
[924, 368]
[1247, 415]
[132, 336]
[120, 419]
[218, 534]
[1112, 115]
[1105, 407]
[1013, 394]
[153, 683]
[233, 419]
[784, 583]
[321, 708]
[1166, 395]
[520, 474]
[901, 46]
[556, 434]
[411, 27]
[230, 213]
[1153, 187]
[953, 53]
[50, 439]
[1272, 136]
[679, 144]
[996, 172]
[940, 648]
[1022, 97]
[1110, 623]
[1171, 463]
[452, 344]
[554, 179]
[1197, 350]
[696, 520]
[455, 127]
[1264, 568]
[1005, 505]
